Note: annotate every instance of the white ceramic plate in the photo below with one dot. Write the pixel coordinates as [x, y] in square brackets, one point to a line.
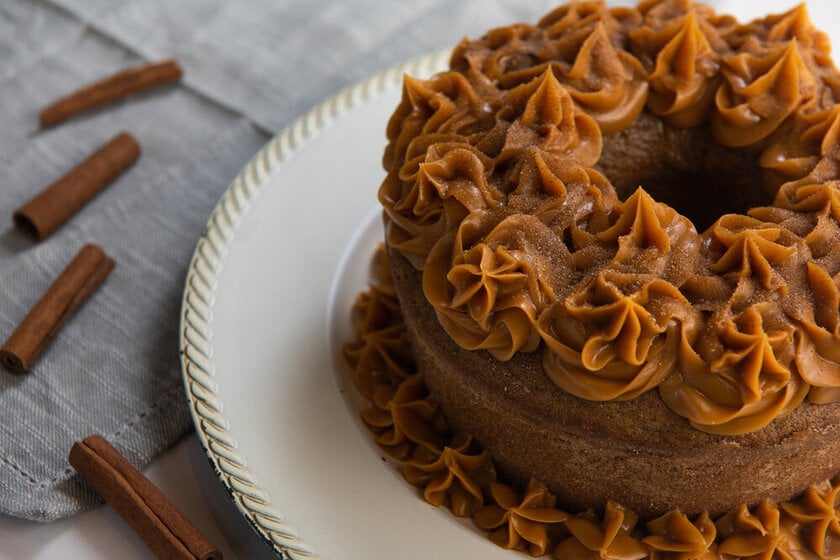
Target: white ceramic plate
[266, 308]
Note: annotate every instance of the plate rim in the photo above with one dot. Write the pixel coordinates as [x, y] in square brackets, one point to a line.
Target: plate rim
[195, 347]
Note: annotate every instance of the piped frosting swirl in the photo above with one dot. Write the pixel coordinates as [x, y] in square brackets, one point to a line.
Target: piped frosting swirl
[493, 192]
[452, 470]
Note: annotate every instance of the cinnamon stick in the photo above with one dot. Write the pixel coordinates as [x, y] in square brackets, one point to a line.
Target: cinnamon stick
[158, 522]
[62, 299]
[57, 203]
[109, 89]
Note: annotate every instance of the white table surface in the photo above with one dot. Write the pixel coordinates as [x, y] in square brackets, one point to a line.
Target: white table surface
[184, 475]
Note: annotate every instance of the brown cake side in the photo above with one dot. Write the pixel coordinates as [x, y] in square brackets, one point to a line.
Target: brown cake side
[613, 239]
[637, 453]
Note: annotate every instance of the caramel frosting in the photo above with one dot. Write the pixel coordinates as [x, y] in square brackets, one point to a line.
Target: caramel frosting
[607, 536]
[652, 238]
[817, 511]
[683, 77]
[453, 470]
[761, 533]
[673, 535]
[606, 82]
[795, 154]
[438, 178]
[404, 417]
[490, 295]
[746, 379]
[764, 85]
[603, 343]
[493, 192]
[381, 353]
[542, 113]
[452, 475]
[520, 523]
[573, 22]
[781, 28]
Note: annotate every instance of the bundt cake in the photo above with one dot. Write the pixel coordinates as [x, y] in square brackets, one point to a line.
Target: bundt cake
[613, 239]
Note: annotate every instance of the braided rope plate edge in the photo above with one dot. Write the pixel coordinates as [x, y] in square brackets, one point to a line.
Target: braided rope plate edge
[212, 427]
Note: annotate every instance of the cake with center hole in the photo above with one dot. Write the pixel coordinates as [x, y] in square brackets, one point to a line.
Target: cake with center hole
[614, 239]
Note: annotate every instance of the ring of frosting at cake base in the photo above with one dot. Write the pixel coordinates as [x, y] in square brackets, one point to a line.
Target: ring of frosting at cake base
[614, 236]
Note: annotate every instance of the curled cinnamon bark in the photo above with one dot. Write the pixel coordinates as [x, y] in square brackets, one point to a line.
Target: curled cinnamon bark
[62, 299]
[52, 207]
[156, 520]
[109, 89]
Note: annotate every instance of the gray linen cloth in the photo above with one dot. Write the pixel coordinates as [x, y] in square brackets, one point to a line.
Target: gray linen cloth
[250, 66]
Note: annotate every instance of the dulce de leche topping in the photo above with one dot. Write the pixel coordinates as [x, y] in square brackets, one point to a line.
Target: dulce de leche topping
[683, 78]
[452, 470]
[765, 84]
[493, 192]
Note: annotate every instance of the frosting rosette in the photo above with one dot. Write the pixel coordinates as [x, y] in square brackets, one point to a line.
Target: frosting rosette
[740, 375]
[609, 537]
[818, 344]
[569, 25]
[764, 85]
[784, 27]
[453, 475]
[446, 103]
[488, 290]
[796, 153]
[683, 68]
[435, 177]
[516, 56]
[754, 256]
[520, 523]
[542, 113]
[804, 197]
[423, 205]
[815, 211]
[652, 238]
[675, 536]
[574, 202]
[608, 83]
[380, 355]
[740, 372]
[523, 187]
[757, 534]
[403, 417]
[615, 337]
[818, 510]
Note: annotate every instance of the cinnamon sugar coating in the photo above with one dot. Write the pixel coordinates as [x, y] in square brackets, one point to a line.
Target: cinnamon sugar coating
[519, 187]
[452, 469]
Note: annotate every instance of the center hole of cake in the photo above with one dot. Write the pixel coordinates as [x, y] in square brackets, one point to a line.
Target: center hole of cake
[685, 169]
